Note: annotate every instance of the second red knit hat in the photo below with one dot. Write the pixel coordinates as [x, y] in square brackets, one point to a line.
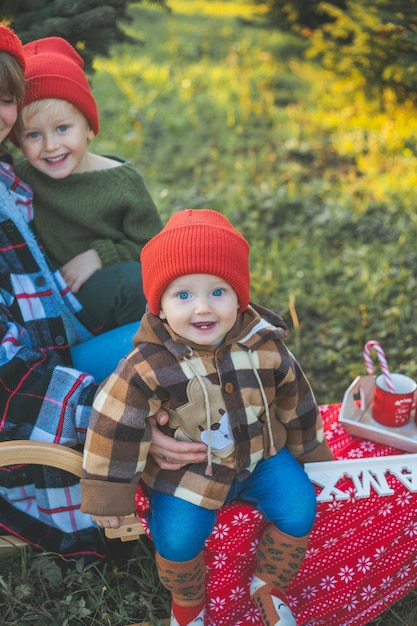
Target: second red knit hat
[10, 43]
[54, 69]
[195, 241]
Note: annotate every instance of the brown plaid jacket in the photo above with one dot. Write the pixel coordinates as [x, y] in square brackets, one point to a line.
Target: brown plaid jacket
[252, 377]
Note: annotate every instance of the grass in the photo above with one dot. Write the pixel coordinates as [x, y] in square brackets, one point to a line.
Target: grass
[46, 590]
[218, 110]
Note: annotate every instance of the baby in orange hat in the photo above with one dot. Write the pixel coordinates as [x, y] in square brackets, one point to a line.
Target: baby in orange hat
[218, 364]
[94, 213]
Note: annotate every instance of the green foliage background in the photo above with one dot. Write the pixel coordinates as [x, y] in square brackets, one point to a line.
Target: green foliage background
[218, 110]
[91, 26]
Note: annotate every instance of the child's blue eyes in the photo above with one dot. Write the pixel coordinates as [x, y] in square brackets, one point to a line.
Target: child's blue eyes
[35, 134]
[184, 295]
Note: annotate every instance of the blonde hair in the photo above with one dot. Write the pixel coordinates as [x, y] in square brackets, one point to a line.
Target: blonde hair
[12, 80]
[52, 105]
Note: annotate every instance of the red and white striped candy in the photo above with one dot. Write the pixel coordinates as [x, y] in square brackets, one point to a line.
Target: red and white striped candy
[374, 345]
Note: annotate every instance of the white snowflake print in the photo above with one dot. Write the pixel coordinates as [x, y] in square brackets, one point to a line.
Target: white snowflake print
[355, 454]
[330, 543]
[253, 546]
[256, 514]
[368, 592]
[219, 560]
[386, 509]
[352, 495]
[404, 499]
[379, 552]
[334, 505]
[221, 531]
[411, 529]
[351, 604]
[252, 616]
[386, 582]
[309, 592]
[293, 601]
[368, 521]
[346, 574]
[240, 518]
[336, 429]
[142, 503]
[367, 446]
[404, 572]
[348, 532]
[311, 552]
[364, 564]
[217, 604]
[328, 582]
[237, 593]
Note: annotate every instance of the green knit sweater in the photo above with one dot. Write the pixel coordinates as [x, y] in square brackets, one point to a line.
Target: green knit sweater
[108, 210]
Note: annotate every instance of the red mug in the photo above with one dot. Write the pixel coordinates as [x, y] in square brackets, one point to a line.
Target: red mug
[393, 409]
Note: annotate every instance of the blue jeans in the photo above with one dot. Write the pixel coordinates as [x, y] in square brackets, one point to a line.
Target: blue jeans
[279, 488]
[99, 356]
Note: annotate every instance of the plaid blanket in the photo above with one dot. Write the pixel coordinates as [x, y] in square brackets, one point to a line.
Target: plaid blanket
[42, 397]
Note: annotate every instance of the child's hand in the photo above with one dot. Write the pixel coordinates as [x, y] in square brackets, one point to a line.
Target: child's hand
[108, 521]
[80, 269]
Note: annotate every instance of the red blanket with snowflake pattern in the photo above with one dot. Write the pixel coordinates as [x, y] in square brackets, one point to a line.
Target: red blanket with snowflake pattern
[362, 554]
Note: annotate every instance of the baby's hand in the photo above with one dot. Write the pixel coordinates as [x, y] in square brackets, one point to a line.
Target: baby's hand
[108, 521]
[77, 271]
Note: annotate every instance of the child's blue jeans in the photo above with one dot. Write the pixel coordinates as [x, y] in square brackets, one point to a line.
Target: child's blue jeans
[279, 488]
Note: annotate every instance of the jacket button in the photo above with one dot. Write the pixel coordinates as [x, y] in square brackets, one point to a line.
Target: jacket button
[40, 281]
[229, 388]
[59, 341]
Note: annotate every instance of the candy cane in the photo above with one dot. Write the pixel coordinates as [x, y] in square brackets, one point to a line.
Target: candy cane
[374, 345]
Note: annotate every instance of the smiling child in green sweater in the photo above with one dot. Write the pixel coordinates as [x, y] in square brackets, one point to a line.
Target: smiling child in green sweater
[93, 213]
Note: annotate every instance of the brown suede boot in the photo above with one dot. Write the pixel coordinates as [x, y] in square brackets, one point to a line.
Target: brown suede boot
[279, 557]
[186, 582]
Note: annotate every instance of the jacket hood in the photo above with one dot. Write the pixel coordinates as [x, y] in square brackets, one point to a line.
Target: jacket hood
[252, 328]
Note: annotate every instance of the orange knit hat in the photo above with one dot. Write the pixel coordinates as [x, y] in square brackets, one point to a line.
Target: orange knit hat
[55, 70]
[10, 43]
[195, 241]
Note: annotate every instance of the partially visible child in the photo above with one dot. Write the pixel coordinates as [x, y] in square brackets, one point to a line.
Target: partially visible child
[93, 213]
[219, 366]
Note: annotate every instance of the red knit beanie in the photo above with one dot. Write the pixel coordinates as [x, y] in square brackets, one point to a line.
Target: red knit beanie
[195, 241]
[10, 43]
[55, 70]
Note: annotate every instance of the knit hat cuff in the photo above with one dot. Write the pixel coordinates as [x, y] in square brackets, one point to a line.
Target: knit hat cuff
[67, 89]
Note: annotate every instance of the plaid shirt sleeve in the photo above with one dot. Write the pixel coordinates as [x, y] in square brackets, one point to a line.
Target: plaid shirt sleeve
[40, 400]
[41, 396]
